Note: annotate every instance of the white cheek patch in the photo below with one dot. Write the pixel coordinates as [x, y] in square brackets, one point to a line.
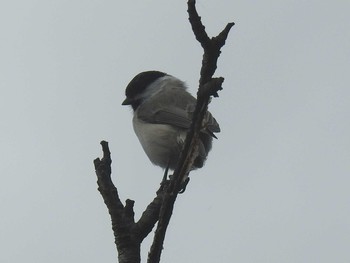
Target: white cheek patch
[161, 83]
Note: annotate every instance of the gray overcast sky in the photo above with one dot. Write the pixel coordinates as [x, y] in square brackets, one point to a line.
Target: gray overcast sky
[276, 185]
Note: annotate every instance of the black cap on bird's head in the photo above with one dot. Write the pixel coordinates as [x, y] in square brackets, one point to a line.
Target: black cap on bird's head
[138, 84]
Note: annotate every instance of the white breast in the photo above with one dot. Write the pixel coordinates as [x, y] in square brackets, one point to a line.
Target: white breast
[162, 143]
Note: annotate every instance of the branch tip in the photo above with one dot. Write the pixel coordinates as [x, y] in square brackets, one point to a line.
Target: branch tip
[129, 208]
[209, 86]
[129, 203]
[128, 234]
[105, 147]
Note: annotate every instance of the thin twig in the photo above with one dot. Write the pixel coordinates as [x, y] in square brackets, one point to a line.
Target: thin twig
[128, 235]
[208, 87]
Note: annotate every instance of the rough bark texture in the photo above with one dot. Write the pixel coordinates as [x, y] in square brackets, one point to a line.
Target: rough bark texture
[129, 234]
[208, 87]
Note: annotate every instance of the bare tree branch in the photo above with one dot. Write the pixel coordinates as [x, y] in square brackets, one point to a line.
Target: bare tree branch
[122, 217]
[208, 87]
[211, 46]
[151, 215]
[128, 235]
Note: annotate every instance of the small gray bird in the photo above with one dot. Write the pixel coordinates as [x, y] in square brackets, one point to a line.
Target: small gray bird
[163, 112]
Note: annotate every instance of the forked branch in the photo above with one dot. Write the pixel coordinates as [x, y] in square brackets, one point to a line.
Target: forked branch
[129, 234]
[208, 86]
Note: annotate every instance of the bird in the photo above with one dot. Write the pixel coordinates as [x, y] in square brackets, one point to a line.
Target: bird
[162, 115]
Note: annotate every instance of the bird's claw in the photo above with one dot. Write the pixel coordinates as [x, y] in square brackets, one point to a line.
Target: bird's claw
[184, 185]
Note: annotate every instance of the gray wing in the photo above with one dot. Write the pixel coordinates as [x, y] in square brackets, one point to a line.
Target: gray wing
[174, 107]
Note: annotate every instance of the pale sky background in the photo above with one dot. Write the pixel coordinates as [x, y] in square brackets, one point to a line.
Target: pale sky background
[276, 185]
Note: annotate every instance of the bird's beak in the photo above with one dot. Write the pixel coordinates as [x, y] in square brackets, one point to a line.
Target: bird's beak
[127, 101]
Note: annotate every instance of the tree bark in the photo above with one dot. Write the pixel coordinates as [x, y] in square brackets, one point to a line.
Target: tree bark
[129, 234]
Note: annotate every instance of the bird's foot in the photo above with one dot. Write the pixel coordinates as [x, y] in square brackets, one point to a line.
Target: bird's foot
[165, 176]
[184, 185]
